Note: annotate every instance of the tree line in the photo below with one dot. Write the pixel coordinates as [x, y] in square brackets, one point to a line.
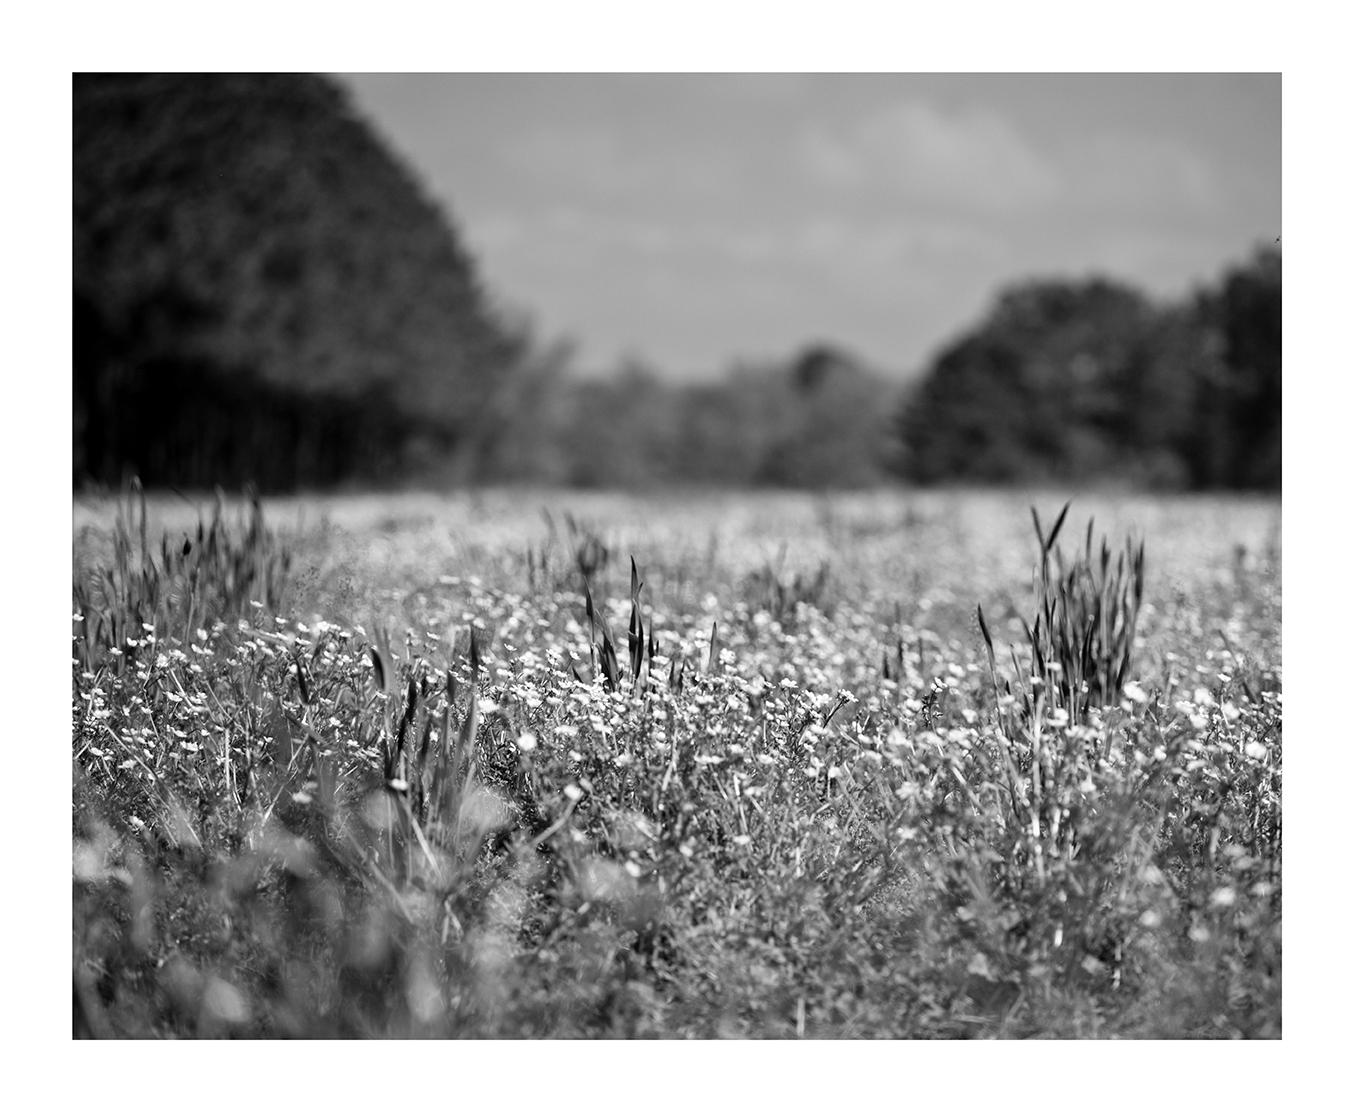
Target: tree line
[263, 293]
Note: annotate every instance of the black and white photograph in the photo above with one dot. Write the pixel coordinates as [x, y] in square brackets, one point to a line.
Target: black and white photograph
[676, 555]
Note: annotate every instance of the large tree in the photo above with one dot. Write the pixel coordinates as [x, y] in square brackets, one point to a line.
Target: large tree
[262, 290]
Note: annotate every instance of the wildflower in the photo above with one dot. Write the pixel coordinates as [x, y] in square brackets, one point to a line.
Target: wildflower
[979, 967]
[1133, 690]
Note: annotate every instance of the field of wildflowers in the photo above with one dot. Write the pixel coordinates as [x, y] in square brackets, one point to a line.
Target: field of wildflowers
[515, 764]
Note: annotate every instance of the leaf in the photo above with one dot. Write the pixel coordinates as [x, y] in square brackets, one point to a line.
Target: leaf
[1057, 525]
[301, 679]
[611, 668]
[378, 667]
[475, 659]
[982, 625]
[636, 641]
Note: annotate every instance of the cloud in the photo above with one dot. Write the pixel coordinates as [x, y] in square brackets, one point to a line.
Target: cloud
[967, 158]
[597, 161]
[827, 241]
[575, 229]
[1140, 172]
[974, 161]
[496, 231]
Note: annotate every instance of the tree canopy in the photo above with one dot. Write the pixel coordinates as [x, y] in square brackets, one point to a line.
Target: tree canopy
[1090, 381]
[262, 290]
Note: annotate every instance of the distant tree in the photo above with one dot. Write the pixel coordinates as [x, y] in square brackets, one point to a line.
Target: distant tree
[725, 429]
[818, 420]
[522, 429]
[837, 434]
[1240, 398]
[1088, 381]
[1048, 387]
[1163, 400]
[617, 431]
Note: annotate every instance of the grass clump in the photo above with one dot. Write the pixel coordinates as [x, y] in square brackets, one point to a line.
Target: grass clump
[178, 584]
[1080, 650]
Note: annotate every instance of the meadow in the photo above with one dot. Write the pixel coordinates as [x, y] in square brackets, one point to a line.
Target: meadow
[543, 764]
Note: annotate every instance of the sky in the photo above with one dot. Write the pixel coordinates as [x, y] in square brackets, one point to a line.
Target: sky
[695, 222]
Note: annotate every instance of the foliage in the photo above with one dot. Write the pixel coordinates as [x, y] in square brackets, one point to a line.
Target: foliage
[1240, 401]
[292, 826]
[1075, 381]
[263, 293]
[1086, 617]
[816, 421]
[218, 572]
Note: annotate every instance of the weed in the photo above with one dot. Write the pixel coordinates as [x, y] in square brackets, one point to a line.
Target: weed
[179, 585]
